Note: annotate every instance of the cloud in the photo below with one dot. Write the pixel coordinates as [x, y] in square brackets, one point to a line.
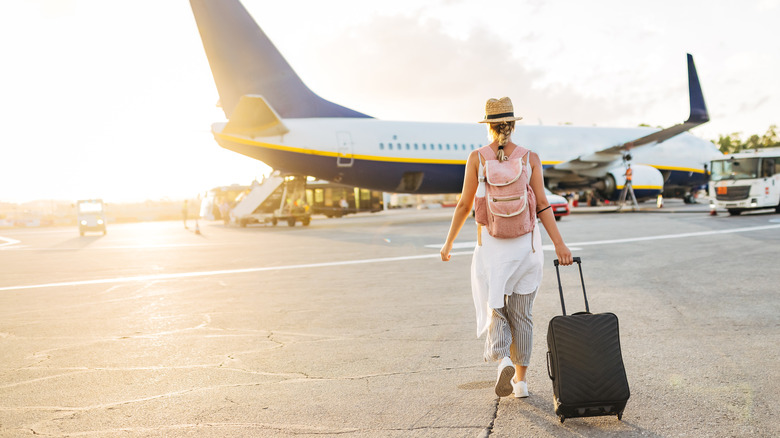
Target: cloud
[404, 68]
[753, 105]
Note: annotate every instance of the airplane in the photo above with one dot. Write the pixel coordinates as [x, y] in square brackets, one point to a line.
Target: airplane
[274, 117]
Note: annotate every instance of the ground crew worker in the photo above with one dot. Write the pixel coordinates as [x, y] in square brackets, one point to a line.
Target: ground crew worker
[628, 187]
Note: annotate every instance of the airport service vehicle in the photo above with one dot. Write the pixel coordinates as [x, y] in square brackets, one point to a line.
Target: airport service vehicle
[272, 116]
[216, 197]
[91, 216]
[746, 181]
[326, 197]
[558, 204]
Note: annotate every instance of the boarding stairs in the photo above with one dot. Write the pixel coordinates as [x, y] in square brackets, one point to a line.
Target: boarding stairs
[261, 194]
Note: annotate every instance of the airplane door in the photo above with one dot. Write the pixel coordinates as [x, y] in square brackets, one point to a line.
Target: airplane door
[344, 150]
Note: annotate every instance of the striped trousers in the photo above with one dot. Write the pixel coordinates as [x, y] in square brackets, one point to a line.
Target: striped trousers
[511, 330]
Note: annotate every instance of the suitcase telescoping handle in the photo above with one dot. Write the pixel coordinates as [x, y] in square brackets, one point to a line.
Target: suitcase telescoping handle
[578, 261]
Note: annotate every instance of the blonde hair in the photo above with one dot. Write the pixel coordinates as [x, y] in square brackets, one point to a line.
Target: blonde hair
[500, 132]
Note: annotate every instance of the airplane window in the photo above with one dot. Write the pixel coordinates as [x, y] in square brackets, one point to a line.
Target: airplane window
[407, 146]
[381, 145]
[390, 146]
[415, 146]
[440, 148]
[464, 147]
[448, 146]
[423, 146]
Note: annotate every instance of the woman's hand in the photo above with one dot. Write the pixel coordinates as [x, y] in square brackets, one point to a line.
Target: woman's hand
[564, 255]
[445, 252]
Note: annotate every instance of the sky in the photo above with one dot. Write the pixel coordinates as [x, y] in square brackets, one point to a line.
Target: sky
[114, 99]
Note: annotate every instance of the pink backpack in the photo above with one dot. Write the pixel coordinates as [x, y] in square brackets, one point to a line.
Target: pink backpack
[505, 202]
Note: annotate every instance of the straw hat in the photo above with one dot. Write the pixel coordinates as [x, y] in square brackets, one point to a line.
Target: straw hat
[499, 110]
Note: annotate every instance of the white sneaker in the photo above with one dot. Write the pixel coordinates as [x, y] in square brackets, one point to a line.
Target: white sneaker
[520, 388]
[506, 372]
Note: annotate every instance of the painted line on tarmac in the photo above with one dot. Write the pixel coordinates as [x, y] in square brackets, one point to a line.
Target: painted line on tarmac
[8, 241]
[634, 239]
[365, 261]
[676, 236]
[94, 248]
[224, 272]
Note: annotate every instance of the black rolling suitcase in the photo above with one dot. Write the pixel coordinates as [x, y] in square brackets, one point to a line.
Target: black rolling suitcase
[584, 361]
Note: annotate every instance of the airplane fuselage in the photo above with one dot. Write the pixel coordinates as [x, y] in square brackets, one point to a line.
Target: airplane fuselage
[419, 157]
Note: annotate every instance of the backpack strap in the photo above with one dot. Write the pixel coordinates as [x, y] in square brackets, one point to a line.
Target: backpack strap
[526, 161]
[481, 178]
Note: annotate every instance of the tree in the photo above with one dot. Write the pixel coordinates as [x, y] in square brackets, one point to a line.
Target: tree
[731, 143]
[771, 139]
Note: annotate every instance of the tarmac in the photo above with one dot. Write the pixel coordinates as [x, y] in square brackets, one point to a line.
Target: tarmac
[354, 327]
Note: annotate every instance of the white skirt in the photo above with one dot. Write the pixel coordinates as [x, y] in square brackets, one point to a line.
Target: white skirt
[502, 267]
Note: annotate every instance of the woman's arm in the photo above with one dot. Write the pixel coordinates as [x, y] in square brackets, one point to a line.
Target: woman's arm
[547, 217]
[466, 201]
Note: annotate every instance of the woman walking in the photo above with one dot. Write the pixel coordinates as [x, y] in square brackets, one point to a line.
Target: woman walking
[506, 271]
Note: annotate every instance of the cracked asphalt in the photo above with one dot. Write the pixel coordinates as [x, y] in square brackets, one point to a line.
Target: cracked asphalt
[353, 327]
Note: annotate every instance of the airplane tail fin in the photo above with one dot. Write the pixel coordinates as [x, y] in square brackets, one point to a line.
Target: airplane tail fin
[699, 112]
[245, 62]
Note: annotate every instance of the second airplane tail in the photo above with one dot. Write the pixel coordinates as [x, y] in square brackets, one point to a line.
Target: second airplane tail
[245, 62]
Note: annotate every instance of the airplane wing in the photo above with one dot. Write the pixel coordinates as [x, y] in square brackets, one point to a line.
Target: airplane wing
[595, 164]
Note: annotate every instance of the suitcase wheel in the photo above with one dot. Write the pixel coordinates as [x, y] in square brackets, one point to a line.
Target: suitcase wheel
[562, 418]
[620, 415]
